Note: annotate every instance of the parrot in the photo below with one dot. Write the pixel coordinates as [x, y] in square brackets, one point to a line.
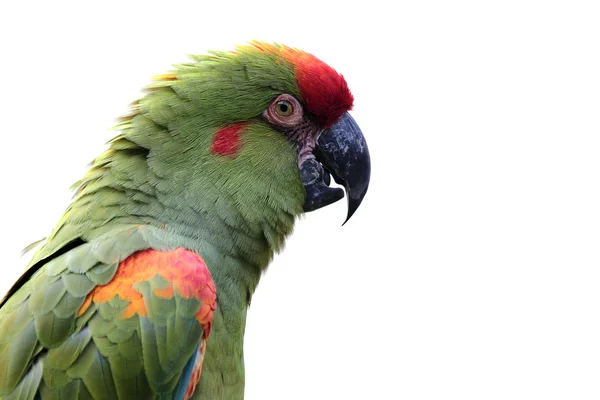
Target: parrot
[142, 289]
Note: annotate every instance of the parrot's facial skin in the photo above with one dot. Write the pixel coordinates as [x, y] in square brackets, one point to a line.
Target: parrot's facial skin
[285, 113]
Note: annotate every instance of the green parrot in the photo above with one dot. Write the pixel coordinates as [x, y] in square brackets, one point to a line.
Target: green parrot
[141, 290]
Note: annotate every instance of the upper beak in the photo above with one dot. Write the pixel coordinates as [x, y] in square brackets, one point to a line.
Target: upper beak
[343, 152]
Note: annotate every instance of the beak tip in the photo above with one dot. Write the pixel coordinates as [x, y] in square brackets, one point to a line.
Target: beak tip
[348, 217]
[353, 204]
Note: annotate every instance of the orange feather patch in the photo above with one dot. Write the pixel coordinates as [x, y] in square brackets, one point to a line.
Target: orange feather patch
[184, 269]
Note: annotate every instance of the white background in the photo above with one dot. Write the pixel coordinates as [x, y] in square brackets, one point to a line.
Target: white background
[472, 269]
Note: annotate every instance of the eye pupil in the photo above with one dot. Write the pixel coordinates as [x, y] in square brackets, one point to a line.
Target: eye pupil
[284, 108]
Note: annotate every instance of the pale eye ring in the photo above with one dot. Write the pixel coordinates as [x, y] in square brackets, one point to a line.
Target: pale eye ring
[285, 111]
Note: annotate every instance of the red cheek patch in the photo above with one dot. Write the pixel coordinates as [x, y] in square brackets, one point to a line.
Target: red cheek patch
[226, 141]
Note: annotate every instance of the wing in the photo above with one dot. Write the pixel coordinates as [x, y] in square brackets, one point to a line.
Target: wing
[121, 317]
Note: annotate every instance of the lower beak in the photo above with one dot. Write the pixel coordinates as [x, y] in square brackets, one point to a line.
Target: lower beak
[342, 152]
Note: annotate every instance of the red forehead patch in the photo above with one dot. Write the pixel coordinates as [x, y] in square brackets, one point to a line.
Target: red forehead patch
[324, 92]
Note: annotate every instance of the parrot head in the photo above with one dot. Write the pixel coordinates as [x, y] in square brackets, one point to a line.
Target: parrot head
[260, 128]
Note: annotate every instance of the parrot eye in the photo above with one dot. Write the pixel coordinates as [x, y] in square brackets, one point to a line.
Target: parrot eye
[284, 108]
[284, 111]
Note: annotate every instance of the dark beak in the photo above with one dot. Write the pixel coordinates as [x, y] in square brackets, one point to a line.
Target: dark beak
[342, 152]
